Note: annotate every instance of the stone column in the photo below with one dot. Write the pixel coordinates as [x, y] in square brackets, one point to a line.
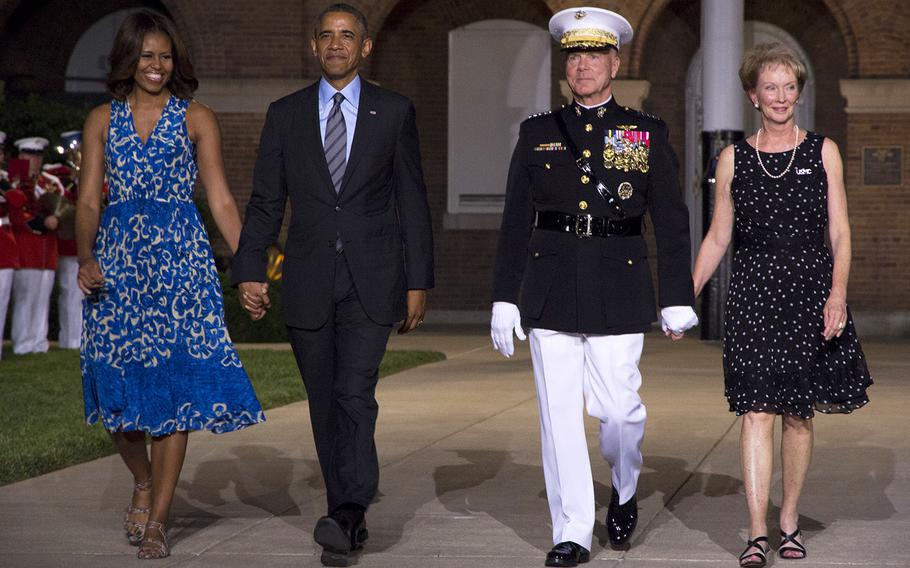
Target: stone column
[722, 50]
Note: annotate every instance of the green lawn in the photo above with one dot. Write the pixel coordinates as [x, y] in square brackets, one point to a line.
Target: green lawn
[42, 424]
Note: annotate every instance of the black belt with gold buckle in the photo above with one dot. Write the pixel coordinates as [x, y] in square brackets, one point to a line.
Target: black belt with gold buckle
[584, 226]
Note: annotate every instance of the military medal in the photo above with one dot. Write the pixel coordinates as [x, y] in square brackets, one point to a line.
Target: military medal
[612, 148]
[627, 149]
[625, 190]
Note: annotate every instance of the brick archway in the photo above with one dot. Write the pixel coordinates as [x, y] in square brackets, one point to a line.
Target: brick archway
[40, 37]
[671, 35]
[651, 15]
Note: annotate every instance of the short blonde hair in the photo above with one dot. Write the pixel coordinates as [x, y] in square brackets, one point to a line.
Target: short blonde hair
[766, 54]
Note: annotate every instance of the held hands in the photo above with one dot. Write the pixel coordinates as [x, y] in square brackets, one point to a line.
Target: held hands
[835, 313]
[89, 278]
[254, 297]
[676, 320]
[505, 320]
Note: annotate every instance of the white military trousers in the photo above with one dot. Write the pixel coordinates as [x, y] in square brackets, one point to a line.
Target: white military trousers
[31, 306]
[599, 373]
[6, 286]
[69, 302]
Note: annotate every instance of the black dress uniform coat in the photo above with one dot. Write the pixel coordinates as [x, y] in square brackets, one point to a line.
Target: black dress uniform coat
[599, 285]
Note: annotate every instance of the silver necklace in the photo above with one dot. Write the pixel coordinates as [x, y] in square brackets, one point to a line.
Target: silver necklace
[792, 155]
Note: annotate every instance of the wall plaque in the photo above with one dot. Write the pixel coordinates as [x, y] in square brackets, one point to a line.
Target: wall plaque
[882, 165]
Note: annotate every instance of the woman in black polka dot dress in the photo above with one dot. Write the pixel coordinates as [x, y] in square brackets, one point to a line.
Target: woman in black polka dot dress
[790, 347]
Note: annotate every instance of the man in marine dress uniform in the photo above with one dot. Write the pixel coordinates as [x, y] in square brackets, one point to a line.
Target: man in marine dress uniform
[9, 252]
[571, 255]
[34, 231]
[69, 302]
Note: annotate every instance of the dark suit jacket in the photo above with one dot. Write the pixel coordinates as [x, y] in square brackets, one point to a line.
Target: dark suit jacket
[596, 284]
[381, 212]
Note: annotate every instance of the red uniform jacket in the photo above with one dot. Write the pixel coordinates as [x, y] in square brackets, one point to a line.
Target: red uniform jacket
[9, 251]
[36, 250]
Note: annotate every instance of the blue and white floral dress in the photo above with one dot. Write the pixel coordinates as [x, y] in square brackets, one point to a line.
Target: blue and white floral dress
[156, 354]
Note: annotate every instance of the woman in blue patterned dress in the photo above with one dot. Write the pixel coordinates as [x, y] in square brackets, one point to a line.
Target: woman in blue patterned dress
[156, 356]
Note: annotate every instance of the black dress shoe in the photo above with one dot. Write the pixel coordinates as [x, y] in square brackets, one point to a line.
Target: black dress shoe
[621, 521]
[339, 534]
[567, 554]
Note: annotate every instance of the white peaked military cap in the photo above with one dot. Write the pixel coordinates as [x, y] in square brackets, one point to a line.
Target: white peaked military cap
[589, 29]
[35, 144]
[71, 138]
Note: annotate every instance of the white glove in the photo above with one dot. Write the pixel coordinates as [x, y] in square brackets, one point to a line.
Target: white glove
[505, 320]
[677, 319]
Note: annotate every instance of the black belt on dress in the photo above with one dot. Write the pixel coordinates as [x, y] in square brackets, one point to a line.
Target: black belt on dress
[584, 226]
[766, 240]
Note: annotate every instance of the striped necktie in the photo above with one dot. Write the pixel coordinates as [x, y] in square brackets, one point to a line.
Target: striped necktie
[336, 141]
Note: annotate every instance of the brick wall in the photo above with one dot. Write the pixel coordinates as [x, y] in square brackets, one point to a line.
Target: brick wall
[880, 28]
[411, 57]
[880, 273]
[664, 61]
[264, 38]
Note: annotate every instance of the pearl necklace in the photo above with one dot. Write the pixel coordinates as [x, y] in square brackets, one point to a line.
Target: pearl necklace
[792, 155]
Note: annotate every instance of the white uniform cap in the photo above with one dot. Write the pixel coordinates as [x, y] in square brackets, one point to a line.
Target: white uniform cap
[589, 29]
[35, 144]
[2, 137]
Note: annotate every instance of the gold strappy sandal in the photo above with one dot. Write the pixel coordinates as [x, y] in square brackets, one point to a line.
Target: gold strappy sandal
[136, 528]
[151, 546]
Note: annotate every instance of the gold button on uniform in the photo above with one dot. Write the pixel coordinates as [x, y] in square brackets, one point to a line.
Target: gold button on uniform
[586, 153]
[630, 262]
[585, 179]
[536, 255]
[547, 165]
[582, 205]
[589, 127]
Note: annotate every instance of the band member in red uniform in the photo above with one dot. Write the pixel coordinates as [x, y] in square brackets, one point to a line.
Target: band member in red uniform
[34, 230]
[9, 252]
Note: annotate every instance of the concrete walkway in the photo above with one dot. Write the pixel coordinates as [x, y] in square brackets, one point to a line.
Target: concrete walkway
[462, 484]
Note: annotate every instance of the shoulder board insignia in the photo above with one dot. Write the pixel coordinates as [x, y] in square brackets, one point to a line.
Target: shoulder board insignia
[643, 114]
[544, 113]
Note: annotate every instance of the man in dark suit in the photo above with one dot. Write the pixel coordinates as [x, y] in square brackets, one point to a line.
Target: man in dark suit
[572, 256]
[358, 258]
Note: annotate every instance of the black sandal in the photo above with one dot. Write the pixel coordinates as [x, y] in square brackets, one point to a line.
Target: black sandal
[793, 546]
[760, 551]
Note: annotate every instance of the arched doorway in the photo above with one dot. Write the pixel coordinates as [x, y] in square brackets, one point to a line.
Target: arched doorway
[88, 65]
[498, 65]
